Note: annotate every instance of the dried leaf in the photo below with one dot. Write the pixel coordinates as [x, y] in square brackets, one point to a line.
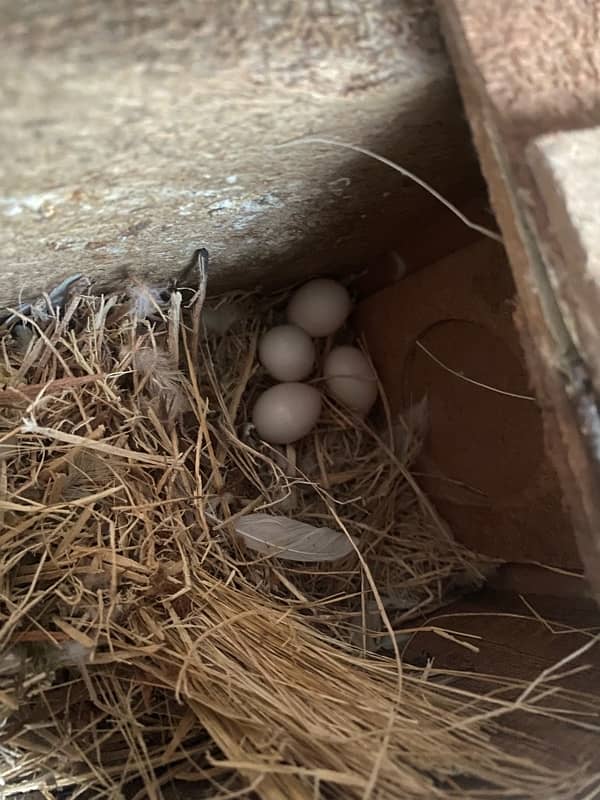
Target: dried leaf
[292, 540]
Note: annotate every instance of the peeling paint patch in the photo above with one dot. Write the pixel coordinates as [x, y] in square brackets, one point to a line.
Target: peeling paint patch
[168, 191]
[11, 209]
[66, 244]
[250, 209]
[136, 228]
[337, 186]
[13, 206]
[221, 205]
[257, 206]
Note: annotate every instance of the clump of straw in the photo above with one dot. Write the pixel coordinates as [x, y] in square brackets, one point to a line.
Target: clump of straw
[142, 644]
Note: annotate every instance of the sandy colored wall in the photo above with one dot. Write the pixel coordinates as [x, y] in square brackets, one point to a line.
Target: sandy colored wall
[131, 133]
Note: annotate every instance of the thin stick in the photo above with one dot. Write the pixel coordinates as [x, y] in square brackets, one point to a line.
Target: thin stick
[402, 170]
[174, 325]
[465, 378]
[30, 426]
[550, 672]
[27, 392]
[197, 301]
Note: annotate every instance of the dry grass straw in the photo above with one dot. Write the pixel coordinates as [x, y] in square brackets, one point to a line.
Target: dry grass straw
[141, 643]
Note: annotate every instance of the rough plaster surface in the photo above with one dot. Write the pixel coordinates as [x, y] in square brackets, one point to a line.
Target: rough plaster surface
[132, 133]
[565, 165]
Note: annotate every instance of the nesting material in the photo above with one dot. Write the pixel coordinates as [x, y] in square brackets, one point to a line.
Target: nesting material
[143, 642]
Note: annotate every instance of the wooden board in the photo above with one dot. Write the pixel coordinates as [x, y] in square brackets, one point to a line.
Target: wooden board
[427, 240]
[515, 644]
[484, 463]
[522, 75]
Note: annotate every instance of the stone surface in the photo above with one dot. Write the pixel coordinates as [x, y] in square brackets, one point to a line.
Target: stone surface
[132, 133]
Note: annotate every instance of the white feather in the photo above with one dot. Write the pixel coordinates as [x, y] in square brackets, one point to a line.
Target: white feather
[292, 540]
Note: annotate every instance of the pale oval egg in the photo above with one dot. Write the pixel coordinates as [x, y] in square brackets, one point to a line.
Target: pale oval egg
[350, 379]
[286, 412]
[320, 307]
[287, 353]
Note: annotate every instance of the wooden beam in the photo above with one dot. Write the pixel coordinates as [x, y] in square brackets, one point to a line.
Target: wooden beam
[522, 75]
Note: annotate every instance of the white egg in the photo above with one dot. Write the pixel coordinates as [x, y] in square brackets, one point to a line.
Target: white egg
[287, 353]
[321, 307]
[286, 412]
[350, 379]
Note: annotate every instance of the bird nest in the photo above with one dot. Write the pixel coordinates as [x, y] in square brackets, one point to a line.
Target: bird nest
[144, 646]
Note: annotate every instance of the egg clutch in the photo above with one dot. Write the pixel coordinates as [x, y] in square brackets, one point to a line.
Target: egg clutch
[290, 409]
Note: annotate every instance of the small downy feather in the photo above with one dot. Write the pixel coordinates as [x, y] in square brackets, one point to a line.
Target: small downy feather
[146, 302]
[410, 430]
[292, 540]
[163, 381]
